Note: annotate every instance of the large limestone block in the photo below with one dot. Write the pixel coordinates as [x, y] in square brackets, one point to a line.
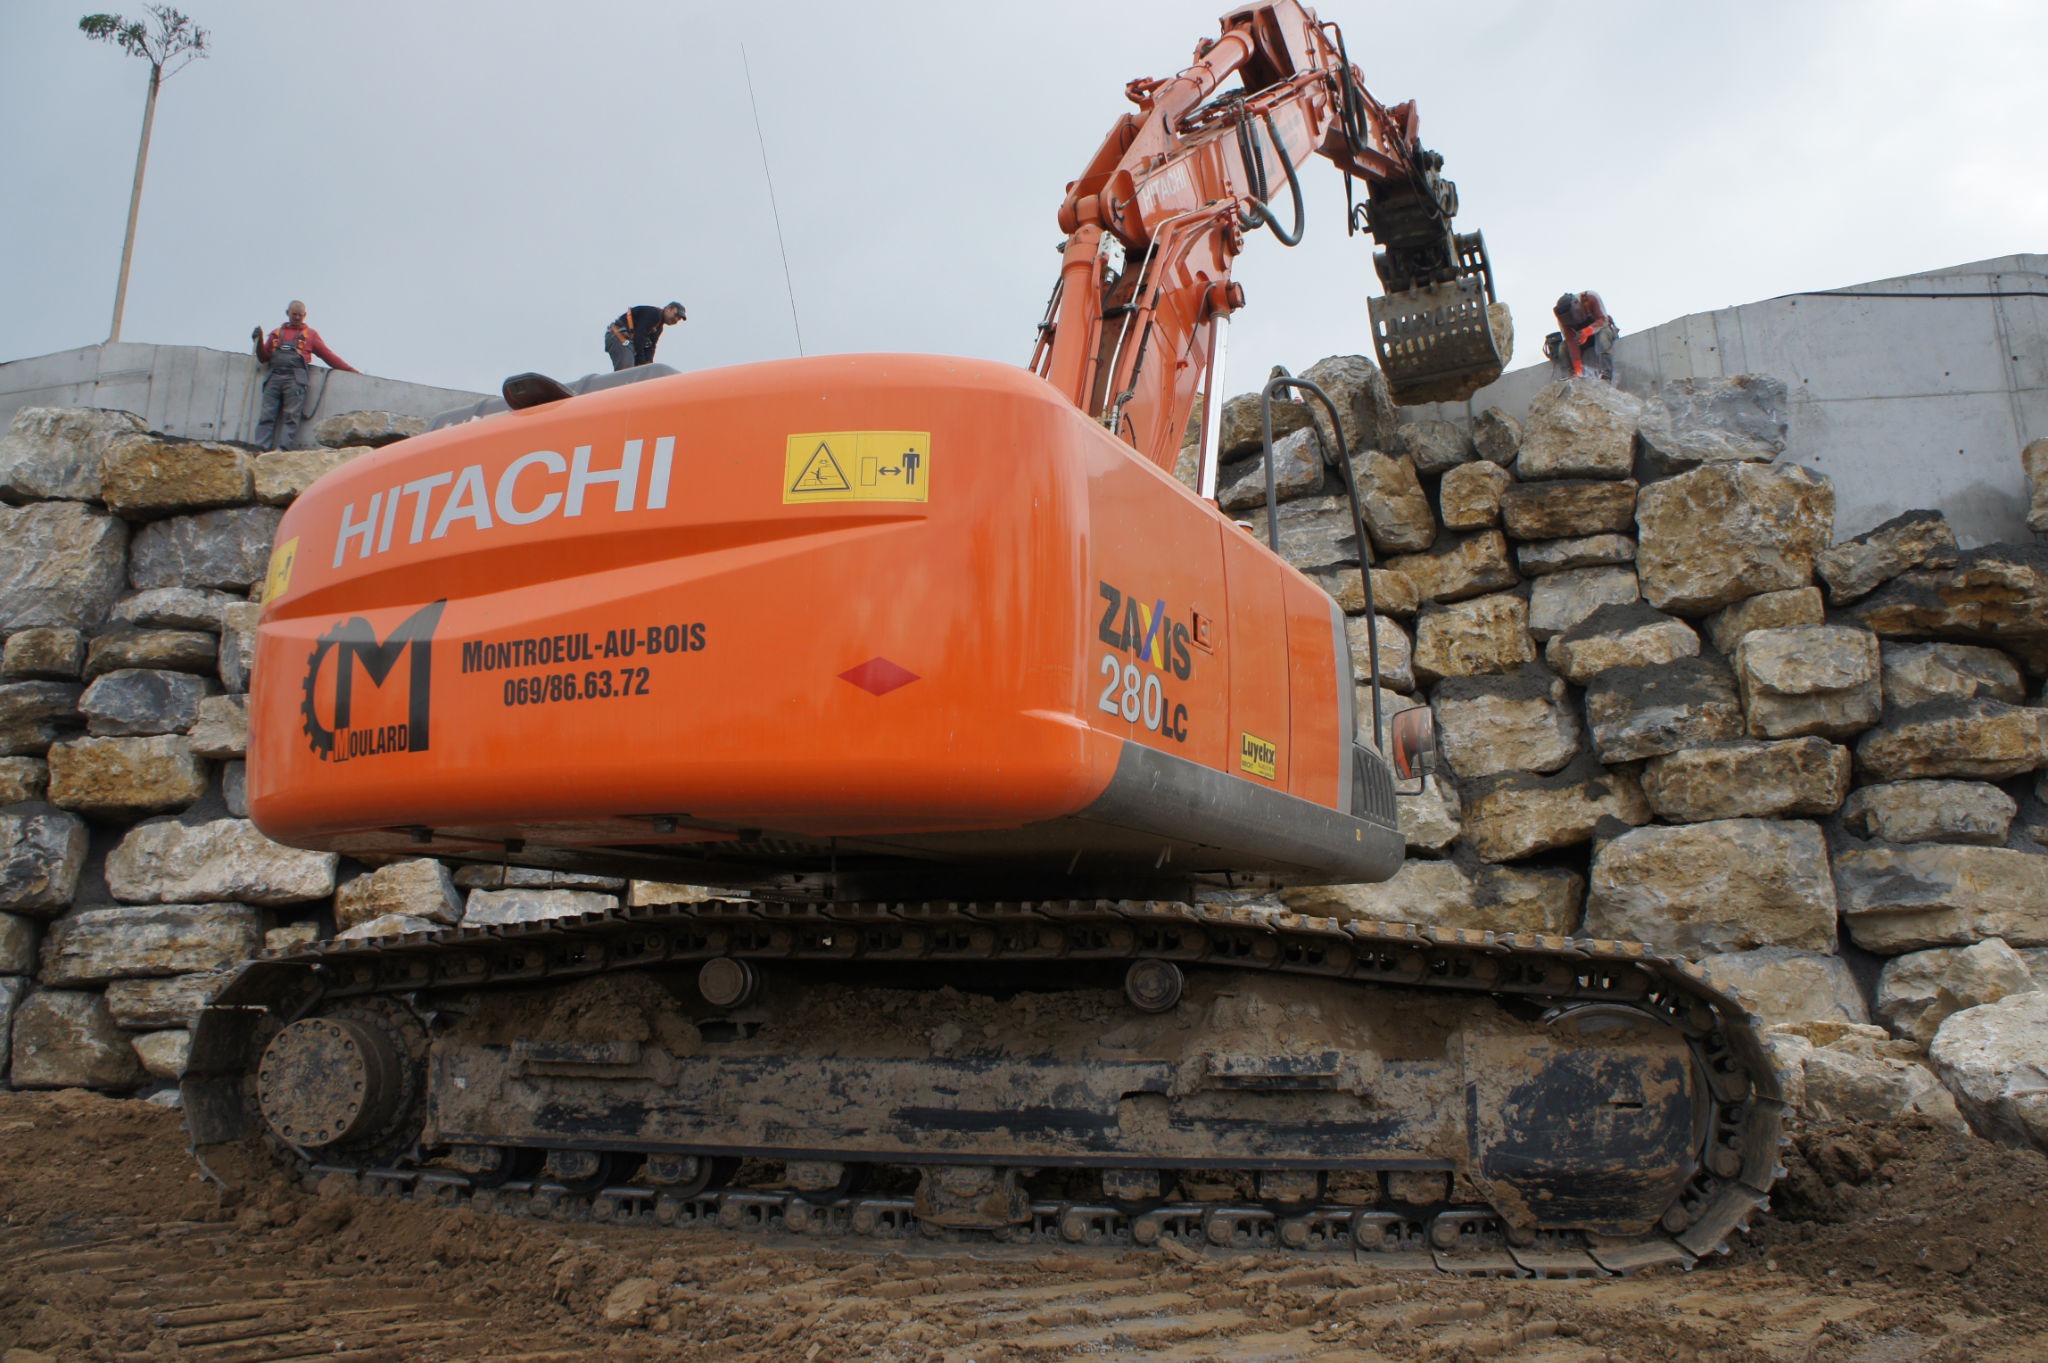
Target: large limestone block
[1459, 566]
[1713, 421]
[1809, 679]
[1517, 815]
[143, 1005]
[43, 653]
[35, 714]
[1919, 990]
[1240, 431]
[1781, 985]
[1435, 446]
[1706, 888]
[1473, 638]
[1496, 436]
[1365, 405]
[1767, 610]
[1639, 712]
[1541, 557]
[226, 859]
[1569, 509]
[1792, 778]
[238, 644]
[60, 564]
[1297, 473]
[175, 608]
[1994, 1058]
[1979, 739]
[145, 476]
[222, 730]
[1397, 514]
[1432, 818]
[1634, 635]
[366, 428]
[143, 700]
[42, 853]
[1996, 595]
[1931, 811]
[1581, 428]
[1708, 538]
[282, 475]
[1455, 894]
[225, 550]
[55, 452]
[1315, 533]
[164, 1054]
[1392, 594]
[126, 778]
[292, 937]
[164, 939]
[22, 779]
[1841, 1074]
[17, 945]
[176, 650]
[420, 888]
[641, 893]
[1898, 899]
[1855, 568]
[2034, 459]
[388, 925]
[1558, 601]
[65, 1038]
[1516, 721]
[528, 906]
[1397, 653]
[1469, 496]
[1915, 674]
[475, 877]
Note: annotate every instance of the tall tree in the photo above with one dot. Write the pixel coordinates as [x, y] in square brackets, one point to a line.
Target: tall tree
[169, 45]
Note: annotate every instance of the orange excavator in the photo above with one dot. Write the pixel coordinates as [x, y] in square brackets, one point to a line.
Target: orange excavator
[992, 731]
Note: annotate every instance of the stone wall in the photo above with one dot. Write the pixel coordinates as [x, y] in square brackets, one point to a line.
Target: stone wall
[1672, 710]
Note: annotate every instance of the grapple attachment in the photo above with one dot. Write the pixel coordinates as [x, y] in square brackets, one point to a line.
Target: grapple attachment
[1443, 342]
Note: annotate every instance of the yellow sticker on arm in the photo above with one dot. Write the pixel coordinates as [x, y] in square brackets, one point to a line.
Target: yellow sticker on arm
[857, 466]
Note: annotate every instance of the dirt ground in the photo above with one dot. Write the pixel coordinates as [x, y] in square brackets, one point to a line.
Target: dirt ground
[1885, 1246]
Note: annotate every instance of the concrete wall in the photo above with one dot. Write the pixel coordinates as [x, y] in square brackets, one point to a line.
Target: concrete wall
[197, 393]
[1911, 392]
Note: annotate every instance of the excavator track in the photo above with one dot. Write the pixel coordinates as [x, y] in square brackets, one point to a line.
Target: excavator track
[267, 1052]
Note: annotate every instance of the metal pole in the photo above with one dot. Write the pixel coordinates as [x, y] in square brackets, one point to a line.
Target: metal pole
[135, 200]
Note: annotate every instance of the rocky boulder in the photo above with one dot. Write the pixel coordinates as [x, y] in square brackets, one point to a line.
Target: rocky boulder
[17, 947]
[166, 939]
[1558, 601]
[225, 859]
[1297, 473]
[140, 701]
[1431, 819]
[1915, 674]
[1707, 888]
[1397, 515]
[1521, 720]
[1713, 421]
[224, 550]
[43, 653]
[1589, 551]
[176, 650]
[282, 475]
[1781, 985]
[55, 453]
[1631, 636]
[67, 1039]
[1973, 812]
[1581, 428]
[419, 888]
[1359, 392]
[1996, 595]
[172, 1001]
[1727, 628]
[1641, 713]
[42, 854]
[2034, 459]
[175, 608]
[1809, 679]
[222, 730]
[366, 428]
[22, 779]
[1708, 538]
[1519, 814]
[1918, 991]
[1899, 899]
[1240, 433]
[143, 477]
[1496, 436]
[1455, 894]
[1316, 533]
[1793, 778]
[1469, 497]
[1473, 638]
[60, 564]
[1459, 566]
[238, 644]
[1434, 446]
[126, 778]
[1841, 1074]
[35, 714]
[527, 906]
[1397, 653]
[1569, 509]
[1979, 739]
[1991, 1059]
[1855, 568]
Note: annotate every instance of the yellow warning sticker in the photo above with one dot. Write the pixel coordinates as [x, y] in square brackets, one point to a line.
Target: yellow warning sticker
[280, 577]
[857, 466]
[1257, 756]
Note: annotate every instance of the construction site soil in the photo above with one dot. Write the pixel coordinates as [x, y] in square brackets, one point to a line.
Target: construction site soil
[1883, 1246]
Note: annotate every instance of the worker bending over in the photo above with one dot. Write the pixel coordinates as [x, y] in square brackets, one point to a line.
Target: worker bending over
[631, 337]
[1589, 334]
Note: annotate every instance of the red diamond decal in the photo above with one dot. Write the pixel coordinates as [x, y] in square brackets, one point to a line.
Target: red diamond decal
[878, 676]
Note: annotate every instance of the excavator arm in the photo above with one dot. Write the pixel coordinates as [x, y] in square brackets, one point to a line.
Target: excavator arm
[1176, 187]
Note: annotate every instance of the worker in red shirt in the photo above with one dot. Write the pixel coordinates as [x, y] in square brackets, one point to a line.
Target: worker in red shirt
[1588, 332]
[287, 353]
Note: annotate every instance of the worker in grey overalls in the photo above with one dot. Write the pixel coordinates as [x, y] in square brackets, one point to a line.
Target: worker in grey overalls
[286, 355]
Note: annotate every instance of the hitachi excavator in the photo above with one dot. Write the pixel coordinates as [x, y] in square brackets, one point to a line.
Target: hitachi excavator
[990, 730]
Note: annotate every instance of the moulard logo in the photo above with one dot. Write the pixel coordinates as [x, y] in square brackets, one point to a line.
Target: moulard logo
[354, 647]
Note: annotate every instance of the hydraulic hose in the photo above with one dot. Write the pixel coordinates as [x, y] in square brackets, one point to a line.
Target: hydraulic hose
[1255, 166]
[1372, 633]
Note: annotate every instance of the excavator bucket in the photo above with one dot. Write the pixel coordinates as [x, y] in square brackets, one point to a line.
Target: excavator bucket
[1444, 342]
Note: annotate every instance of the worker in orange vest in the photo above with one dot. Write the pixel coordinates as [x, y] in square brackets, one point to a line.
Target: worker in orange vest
[1588, 334]
[287, 354]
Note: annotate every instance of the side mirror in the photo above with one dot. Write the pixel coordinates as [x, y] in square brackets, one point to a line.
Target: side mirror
[1413, 741]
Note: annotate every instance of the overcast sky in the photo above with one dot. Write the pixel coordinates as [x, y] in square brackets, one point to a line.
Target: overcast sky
[461, 191]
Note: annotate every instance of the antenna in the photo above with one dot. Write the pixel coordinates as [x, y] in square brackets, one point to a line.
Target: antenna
[770, 178]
